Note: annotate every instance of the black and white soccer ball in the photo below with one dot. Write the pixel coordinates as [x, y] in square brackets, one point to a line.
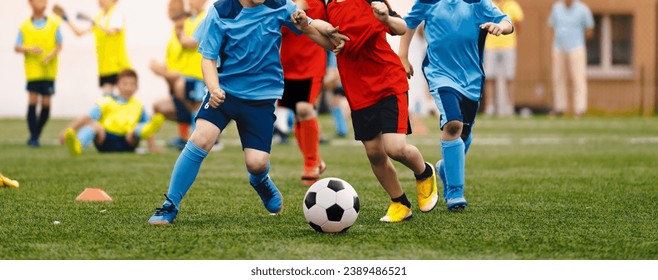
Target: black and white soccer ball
[331, 205]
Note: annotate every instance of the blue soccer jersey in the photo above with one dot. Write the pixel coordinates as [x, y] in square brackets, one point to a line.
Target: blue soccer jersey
[455, 44]
[246, 42]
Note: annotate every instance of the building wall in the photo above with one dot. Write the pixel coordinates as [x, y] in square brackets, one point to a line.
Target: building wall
[630, 96]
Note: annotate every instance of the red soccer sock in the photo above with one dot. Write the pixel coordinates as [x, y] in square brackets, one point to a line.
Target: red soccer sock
[309, 142]
[184, 130]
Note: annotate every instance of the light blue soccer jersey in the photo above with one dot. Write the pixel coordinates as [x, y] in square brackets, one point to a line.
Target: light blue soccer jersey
[570, 24]
[455, 44]
[246, 42]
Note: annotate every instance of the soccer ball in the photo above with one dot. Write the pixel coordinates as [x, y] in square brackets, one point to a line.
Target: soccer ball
[331, 205]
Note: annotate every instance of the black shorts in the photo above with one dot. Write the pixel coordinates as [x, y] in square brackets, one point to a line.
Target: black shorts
[108, 79]
[389, 115]
[295, 91]
[300, 91]
[45, 88]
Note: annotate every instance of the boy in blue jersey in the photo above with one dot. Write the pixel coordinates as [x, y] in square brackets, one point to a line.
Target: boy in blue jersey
[115, 124]
[455, 31]
[244, 36]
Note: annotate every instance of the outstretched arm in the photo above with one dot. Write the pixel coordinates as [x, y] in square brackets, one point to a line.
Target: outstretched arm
[396, 24]
[187, 41]
[504, 27]
[403, 52]
[321, 32]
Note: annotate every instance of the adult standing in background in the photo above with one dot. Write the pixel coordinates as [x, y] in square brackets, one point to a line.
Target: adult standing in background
[500, 58]
[572, 22]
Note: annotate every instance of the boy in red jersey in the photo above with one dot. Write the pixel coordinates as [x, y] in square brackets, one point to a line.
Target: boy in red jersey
[376, 86]
[304, 65]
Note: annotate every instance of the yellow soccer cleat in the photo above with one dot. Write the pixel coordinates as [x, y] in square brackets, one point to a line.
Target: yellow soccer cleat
[153, 126]
[397, 212]
[72, 142]
[6, 182]
[428, 195]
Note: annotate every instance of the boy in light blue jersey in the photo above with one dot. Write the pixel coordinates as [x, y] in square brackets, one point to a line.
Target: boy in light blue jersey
[455, 31]
[240, 41]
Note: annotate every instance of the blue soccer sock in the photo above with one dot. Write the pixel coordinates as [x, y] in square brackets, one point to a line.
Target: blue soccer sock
[257, 179]
[86, 135]
[454, 159]
[339, 120]
[185, 172]
[467, 143]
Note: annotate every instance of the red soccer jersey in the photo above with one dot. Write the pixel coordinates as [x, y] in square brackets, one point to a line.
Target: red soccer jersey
[301, 58]
[369, 69]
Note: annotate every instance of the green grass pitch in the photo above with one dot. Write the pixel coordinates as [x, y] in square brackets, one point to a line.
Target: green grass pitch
[537, 189]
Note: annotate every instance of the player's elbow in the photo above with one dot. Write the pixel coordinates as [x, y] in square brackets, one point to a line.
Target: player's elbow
[398, 31]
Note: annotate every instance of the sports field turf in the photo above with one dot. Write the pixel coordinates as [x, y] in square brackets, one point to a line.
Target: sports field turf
[537, 189]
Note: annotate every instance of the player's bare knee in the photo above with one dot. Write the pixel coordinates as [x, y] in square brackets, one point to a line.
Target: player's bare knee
[397, 152]
[376, 157]
[256, 166]
[304, 110]
[204, 143]
[453, 129]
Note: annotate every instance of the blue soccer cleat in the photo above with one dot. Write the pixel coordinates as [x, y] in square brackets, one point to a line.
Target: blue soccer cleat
[455, 199]
[164, 215]
[270, 195]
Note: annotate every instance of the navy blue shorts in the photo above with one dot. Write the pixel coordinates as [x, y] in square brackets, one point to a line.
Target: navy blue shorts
[454, 106]
[195, 89]
[115, 143]
[44, 87]
[389, 115]
[108, 79]
[254, 119]
[183, 115]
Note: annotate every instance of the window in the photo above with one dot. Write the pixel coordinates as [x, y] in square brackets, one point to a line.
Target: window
[610, 50]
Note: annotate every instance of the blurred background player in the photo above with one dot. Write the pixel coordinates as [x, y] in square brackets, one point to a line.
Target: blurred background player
[40, 41]
[455, 31]
[304, 66]
[376, 87]
[333, 90]
[110, 34]
[190, 59]
[175, 106]
[115, 124]
[500, 64]
[171, 106]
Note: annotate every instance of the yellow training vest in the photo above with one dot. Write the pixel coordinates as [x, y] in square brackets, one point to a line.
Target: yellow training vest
[110, 49]
[174, 51]
[46, 39]
[190, 57]
[119, 118]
